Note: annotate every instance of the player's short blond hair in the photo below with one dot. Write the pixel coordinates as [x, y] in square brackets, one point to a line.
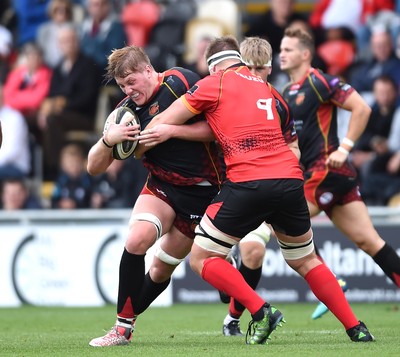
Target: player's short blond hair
[256, 50]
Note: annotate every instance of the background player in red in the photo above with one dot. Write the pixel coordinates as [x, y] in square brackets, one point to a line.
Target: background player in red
[330, 180]
[264, 183]
[184, 176]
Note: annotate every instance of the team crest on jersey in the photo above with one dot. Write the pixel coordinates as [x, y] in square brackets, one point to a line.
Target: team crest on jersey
[300, 98]
[154, 109]
[193, 89]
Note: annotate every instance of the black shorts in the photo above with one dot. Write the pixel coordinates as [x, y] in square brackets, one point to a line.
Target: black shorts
[240, 208]
[188, 202]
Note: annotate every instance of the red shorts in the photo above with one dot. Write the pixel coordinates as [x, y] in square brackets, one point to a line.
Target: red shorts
[326, 189]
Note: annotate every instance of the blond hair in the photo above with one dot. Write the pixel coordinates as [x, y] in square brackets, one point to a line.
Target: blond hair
[256, 50]
[126, 60]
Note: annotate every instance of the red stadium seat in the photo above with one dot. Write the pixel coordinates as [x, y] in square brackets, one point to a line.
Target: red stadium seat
[138, 19]
[338, 55]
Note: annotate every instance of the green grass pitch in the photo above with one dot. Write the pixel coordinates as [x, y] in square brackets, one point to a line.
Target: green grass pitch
[193, 330]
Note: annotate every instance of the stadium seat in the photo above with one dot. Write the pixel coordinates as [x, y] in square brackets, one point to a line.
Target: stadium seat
[226, 11]
[197, 29]
[138, 19]
[338, 55]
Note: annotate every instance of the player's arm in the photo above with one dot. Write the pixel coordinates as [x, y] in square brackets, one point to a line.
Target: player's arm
[360, 113]
[199, 131]
[176, 114]
[100, 154]
[99, 158]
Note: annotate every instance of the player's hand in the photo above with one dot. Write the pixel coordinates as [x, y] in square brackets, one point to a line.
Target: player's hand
[155, 135]
[336, 159]
[117, 133]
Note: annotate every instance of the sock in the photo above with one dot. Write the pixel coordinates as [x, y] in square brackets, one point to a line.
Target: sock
[150, 292]
[229, 319]
[389, 262]
[126, 323]
[223, 276]
[325, 287]
[252, 277]
[131, 276]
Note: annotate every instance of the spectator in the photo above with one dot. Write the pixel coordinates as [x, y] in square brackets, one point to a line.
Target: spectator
[101, 31]
[371, 150]
[15, 159]
[59, 13]
[115, 188]
[8, 17]
[71, 103]
[384, 61]
[380, 186]
[30, 15]
[199, 65]
[27, 86]
[329, 21]
[73, 184]
[272, 24]
[15, 195]
[5, 52]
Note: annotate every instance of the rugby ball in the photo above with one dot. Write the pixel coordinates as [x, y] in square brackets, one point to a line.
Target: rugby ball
[123, 115]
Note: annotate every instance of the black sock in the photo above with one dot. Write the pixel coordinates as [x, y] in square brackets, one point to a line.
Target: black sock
[252, 277]
[131, 276]
[150, 291]
[389, 262]
[259, 315]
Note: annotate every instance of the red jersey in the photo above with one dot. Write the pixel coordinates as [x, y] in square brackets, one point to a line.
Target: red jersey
[241, 111]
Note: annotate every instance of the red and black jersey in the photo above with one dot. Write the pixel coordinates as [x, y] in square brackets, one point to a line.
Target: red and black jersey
[285, 116]
[241, 111]
[313, 103]
[176, 161]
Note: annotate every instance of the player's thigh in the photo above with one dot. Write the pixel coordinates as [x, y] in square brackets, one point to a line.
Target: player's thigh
[149, 216]
[353, 220]
[176, 244]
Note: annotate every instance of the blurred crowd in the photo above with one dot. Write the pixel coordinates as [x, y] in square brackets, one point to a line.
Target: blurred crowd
[54, 100]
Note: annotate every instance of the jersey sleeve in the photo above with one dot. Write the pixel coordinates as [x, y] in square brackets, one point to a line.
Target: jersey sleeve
[203, 95]
[285, 117]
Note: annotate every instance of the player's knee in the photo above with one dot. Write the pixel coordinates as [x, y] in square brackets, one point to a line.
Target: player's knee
[252, 254]
[148, 217]
[167, 258]
[295, 251]
[212, 240]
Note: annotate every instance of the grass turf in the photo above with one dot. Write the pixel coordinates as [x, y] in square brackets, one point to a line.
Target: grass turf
[192, 330]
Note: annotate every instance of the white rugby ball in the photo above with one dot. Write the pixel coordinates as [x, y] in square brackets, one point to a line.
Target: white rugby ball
[124, 115]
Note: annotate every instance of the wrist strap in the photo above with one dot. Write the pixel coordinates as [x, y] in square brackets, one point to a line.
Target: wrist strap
[348, 142]
[343, 150]
[106, 144]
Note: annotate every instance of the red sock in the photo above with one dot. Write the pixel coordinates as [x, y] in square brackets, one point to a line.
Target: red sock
[232, 310]
[223, 276]
[326, 288]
